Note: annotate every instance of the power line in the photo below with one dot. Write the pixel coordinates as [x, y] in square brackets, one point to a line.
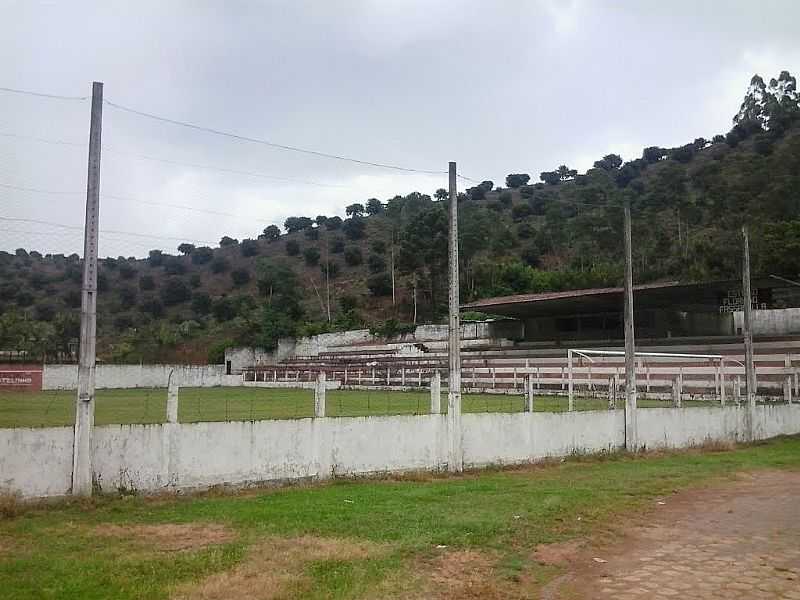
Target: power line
[177, 162]
[268, 143]
[136, 200]
[111, 231]
[42, 95]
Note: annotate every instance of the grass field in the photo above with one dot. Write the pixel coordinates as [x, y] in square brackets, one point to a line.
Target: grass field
[347, 539]
[48, 409]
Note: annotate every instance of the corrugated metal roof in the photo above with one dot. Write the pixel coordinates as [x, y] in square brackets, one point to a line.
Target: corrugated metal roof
[547, 296]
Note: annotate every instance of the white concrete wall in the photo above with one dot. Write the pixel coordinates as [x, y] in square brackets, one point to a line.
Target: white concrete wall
[149, 458]
[65, 377]
[782, 321]
[36, 462]
[508, 438]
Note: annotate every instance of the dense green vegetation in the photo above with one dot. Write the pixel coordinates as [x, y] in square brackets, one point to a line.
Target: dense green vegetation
[384, 265]
[135, 547]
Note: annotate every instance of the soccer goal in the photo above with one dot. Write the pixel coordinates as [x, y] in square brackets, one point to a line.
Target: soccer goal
[660, 376]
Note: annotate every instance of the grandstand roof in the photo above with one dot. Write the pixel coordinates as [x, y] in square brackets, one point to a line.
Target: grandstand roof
[673, 294]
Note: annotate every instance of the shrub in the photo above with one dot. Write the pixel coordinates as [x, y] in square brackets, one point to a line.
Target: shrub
[219, 265]
[126, 270]
[227, 241]
[223, 309]
[515, 180]
[147, 283]
[240, 277]
[175, 291]
[354, 228]
[352, 256]
[195, 280]
[337, 245]
[249, 247]
[505, 198]
[127, 295]
[152, 306]
[376, 263]
[202, 255]
[201, 303]
[155, 258]
[380, 284]
[174, 266]
[311, 256]
[292, 248]
[312, 233]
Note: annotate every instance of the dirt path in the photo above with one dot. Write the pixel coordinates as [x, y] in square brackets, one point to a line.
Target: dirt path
[736, 540]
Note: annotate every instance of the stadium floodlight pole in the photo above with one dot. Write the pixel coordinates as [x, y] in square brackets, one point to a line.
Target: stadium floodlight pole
[84, 405]
[630, 347]
[747, 306]
[455, 459]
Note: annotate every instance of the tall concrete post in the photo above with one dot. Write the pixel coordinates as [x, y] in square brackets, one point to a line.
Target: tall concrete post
[749, 364]
[172, 398]
[529, 393]
[631, 437]
[455, 459]
[319, 395]
[84, 406]
[436, 393]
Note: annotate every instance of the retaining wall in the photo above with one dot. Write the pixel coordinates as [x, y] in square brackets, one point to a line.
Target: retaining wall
[65, 377]
[171, 456]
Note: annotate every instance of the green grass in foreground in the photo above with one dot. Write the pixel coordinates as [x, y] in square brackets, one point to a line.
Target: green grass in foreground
[57, 551]
[145, 405]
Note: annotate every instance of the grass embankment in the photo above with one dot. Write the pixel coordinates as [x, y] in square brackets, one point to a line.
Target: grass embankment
[467, 536]
[143, 405]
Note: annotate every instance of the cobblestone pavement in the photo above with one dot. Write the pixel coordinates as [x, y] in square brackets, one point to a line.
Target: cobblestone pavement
[738, 540]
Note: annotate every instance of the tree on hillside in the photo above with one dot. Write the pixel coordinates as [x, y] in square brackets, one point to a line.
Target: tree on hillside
[354, 228]
[227, 241]
[271, 233]
[202, 255]
[441, 194]
[155, 258]
[185, 248]
[374, 207]
[515, 180]
[320, 220]
[333, 223]
[355, 210]
[293, 224]
[609, 162]
[175, 291]
[249, 247]
[219, 265]
[240, 277]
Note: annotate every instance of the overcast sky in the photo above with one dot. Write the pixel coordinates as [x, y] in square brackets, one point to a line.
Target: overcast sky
[498, 87]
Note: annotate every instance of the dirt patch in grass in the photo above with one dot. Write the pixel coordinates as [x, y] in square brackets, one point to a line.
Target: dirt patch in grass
[170, 537]
[458, 574]
[274, 568]
[560, 553]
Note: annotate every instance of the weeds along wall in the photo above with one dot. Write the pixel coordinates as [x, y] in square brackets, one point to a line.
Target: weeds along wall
[65, 377]
[174, 456]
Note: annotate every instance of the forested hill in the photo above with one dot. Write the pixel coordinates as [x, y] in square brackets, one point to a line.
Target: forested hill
[562, 232]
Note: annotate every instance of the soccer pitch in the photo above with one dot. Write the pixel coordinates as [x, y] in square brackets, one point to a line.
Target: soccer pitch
[149, 405]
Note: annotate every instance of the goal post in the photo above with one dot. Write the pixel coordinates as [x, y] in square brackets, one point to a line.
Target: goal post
[717, 373]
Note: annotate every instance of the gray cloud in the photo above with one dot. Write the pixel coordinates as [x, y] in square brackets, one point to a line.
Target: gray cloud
[499, 87]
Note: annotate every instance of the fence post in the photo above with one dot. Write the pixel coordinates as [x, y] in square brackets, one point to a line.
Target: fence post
[419, 377]
[787, 394]
[647, 376]
[722, 382]
[515, 378]
[388, 376]
[494, 381]
[569, 369]
[402, 377]
[612, 392]
[529, 393]
[345, 374]
[737, 389]
[436, 393]
[319, 395]
[676, 392]
[172, 398]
